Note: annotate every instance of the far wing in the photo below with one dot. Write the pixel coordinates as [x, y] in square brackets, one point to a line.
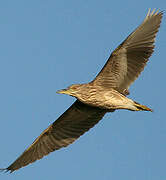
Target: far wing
[78, 119]
[129, 59]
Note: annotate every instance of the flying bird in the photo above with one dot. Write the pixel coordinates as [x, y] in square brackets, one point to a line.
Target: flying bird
[106, 93]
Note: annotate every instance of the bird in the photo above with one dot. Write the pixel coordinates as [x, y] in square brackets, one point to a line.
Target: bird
[106, 93]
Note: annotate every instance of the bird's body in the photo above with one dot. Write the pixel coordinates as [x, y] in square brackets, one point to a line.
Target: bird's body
[107, 99]
[106, 93]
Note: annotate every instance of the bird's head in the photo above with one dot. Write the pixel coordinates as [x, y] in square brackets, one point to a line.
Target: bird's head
[72, 90]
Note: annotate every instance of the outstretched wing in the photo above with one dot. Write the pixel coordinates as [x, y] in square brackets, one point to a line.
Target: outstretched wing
[78, 119]
[129, 59]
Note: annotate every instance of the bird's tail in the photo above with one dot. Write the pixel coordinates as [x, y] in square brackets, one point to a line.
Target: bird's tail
[141, 107]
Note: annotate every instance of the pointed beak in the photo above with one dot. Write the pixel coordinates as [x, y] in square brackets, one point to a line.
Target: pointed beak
[63, 91]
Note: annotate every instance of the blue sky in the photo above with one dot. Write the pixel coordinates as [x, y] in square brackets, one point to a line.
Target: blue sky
[46, 46]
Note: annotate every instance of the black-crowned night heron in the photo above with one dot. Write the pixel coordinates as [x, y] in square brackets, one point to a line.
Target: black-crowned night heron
[106, 93]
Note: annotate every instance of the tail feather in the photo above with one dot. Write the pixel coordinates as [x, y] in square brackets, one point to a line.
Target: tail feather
[141, 107]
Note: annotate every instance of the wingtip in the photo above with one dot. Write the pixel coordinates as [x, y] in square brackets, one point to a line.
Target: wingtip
[6, 170]
[153, 12]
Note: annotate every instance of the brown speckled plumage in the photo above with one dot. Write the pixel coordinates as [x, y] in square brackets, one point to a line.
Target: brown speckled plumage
[106, 93]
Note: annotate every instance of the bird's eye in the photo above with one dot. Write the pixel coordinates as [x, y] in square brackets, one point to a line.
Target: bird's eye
[74, 87]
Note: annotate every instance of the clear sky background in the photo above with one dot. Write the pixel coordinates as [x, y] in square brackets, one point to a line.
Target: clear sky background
[46, 46]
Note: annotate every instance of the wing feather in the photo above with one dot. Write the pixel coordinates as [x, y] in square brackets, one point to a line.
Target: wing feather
[128, 60]
[78, 119]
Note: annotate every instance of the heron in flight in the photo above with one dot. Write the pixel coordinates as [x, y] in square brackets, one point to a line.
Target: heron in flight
[106, 93]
